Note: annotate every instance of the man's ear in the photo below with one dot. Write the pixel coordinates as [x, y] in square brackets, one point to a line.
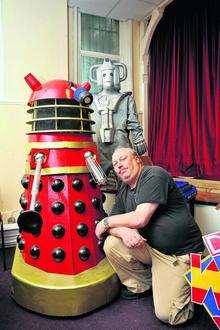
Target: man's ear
[137, 159]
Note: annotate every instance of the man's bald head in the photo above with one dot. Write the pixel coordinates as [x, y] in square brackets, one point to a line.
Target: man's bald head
[127, 165]
[124, 150]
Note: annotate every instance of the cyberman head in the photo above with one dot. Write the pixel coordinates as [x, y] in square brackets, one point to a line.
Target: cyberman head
[108, 75]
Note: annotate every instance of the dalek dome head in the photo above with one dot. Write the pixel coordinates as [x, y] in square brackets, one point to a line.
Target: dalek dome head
[59, 105]
[53, 89]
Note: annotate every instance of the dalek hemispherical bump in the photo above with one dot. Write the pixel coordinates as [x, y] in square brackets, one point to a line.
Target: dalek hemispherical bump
[84, 253]
[57, 185]
[25, 181]
[92, 183]
[58, 254]
[101, 244]
[21, 244]
[82, 229]
[96, 202]
[79, 206]
[18, 238]
[37, 206]
[77, 184]
[23, 201]
[35, 252]
[57, 208]
[58, 231]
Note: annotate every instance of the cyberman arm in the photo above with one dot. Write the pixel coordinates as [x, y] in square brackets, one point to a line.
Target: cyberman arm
[135, 129]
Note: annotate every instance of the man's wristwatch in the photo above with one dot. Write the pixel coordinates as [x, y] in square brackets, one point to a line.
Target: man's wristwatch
[106, 223]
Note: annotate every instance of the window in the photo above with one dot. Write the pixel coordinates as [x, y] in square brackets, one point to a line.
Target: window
[93, 38]
[99, 34]
[99, 39]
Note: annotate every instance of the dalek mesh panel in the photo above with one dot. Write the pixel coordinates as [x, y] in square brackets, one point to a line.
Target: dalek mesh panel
[60, 115]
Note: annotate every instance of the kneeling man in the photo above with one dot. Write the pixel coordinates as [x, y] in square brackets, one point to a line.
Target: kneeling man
[151, 231]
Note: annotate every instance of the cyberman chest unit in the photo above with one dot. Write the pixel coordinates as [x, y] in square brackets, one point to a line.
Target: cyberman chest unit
[59, 267]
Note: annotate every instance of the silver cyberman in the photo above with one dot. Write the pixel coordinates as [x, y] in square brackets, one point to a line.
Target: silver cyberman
[115, 116]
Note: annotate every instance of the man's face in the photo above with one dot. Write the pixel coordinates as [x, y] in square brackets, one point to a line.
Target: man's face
[107, 78]
[126, 165]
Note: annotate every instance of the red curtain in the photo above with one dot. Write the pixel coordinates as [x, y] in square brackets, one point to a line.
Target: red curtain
[184, 116]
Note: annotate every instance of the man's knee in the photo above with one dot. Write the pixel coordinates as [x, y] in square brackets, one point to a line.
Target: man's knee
[175, 314]
[111, 244]
[162, 315]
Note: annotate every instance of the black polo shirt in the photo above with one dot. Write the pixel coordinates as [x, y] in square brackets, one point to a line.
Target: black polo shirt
[171, 229]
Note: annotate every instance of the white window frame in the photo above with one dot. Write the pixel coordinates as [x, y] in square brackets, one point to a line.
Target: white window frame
[125, 48]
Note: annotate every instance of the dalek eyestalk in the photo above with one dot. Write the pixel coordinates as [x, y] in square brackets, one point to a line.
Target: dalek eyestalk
[83, 96]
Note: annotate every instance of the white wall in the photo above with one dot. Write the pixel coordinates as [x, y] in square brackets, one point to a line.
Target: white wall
[34, 38]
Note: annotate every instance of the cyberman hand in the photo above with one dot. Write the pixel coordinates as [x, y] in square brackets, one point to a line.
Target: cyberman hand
[140, 148]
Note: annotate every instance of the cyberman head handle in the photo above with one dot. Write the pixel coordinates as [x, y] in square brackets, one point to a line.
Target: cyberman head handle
[95, 73]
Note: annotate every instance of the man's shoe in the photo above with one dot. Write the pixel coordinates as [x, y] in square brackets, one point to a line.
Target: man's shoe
[129, 295]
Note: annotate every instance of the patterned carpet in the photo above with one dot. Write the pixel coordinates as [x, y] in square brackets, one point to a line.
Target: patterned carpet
[119, 314]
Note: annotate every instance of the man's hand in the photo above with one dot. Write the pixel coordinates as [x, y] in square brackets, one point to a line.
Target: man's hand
[100, 229]
[131, 238]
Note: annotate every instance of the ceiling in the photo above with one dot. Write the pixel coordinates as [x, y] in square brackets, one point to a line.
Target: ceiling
[117, 9]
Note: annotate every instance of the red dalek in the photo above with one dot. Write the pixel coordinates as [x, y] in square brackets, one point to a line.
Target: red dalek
[59, 267]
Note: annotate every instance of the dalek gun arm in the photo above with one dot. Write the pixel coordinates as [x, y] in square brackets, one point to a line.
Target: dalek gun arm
[39, 159]
[95, 169]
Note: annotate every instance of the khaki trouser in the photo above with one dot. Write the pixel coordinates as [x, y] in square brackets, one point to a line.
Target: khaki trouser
[171, 292]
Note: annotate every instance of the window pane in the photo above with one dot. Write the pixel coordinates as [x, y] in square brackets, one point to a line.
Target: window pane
[99, 34]
[86, 63]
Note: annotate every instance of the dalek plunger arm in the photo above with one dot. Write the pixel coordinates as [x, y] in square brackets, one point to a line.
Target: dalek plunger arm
[30, 221]
[95, 169]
